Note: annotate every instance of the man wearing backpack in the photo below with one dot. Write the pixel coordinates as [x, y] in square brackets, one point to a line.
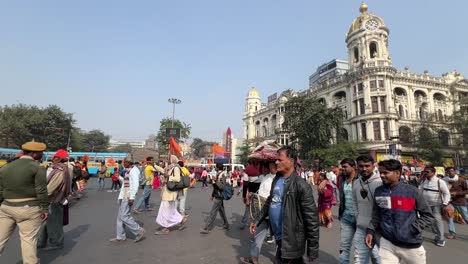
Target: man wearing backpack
[219, 184]
[146, 180]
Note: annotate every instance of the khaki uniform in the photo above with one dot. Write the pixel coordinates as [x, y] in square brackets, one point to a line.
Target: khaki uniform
[23, 198]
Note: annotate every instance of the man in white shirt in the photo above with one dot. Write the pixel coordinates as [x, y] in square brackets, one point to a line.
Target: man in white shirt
[125, 220]
[437, 195]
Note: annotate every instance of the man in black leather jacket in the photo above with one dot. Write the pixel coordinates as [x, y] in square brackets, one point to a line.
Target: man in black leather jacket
[292, 211]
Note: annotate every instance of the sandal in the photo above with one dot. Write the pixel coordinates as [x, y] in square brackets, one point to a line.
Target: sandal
[163, 231]
[248, 260]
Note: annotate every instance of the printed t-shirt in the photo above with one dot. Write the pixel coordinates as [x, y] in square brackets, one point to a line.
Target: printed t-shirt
[276, 208]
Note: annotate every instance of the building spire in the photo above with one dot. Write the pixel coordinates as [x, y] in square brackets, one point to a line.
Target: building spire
[363, 8]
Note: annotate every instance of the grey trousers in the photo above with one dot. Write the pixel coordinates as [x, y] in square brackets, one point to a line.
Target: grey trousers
[246, 217]
[180, 203]
[125, 220]
[52, 230]
[260, 233]
[218, 206]
[438, 224]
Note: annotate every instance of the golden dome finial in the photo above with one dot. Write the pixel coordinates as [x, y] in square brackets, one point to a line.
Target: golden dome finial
[363, 8]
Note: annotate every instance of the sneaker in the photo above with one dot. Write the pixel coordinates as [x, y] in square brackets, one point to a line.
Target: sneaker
[270, 240]
[116, 240]
[242, 227]
[140, 235]
[226, 227]
[204, 231]
[441, 243]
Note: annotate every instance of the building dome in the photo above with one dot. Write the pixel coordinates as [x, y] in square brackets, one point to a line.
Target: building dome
[365, 21]
[253, 93]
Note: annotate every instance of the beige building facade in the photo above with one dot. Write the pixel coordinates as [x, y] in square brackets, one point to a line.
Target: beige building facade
[383, 106]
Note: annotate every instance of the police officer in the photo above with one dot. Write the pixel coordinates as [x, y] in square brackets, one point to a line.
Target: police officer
[23, 199]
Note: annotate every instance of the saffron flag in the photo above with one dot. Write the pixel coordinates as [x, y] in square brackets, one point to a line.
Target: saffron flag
[217, 149]
[174, 148]
[111, 162]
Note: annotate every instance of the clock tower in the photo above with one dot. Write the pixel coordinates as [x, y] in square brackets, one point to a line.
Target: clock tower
[367, 40]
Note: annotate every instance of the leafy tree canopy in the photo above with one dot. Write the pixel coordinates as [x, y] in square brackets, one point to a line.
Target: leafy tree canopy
[126, 148]
[95, 141]
[163, 143]
[311, 123]
[21, 123]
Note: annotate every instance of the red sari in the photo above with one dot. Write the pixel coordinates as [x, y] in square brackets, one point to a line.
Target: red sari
[325, 200]
[156, 181]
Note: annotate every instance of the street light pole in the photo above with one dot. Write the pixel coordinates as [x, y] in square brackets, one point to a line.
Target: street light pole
[173, 101]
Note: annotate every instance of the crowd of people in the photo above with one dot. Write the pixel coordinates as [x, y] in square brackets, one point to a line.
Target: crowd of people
[382, 207]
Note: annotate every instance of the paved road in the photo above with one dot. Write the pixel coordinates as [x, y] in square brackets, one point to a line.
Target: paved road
[93, 223]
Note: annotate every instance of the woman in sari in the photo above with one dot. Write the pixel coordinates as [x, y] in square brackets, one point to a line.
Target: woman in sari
[168, 216]
[156, 181]
[325, 199]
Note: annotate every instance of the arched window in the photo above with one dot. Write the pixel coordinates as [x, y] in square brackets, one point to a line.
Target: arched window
[440, 115]
[444, 138]
[401, 111]
[356, 55]
[373, 50]
[273, 124]
[404, 134]
[343, 135]
[424, 134]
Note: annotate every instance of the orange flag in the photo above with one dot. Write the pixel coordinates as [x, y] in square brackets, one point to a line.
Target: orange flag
[217, 149]
[111, 162]
[174, 148]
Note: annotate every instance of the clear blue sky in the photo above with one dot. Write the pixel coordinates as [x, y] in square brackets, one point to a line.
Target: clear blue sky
[114, 64]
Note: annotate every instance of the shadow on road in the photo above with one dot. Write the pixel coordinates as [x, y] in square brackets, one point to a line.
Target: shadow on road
[71, 238]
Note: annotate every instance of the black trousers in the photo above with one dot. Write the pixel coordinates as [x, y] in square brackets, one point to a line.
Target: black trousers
[280, 260]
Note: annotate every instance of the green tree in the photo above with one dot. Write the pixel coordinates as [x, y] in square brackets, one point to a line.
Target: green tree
[77, 140]
[125, 148]
[428, 146]
[196, 146]
[22, 123]
[95, 141]
[244, 152]
[163, 143]
[459, 122]
[335, 153]
[312, 125]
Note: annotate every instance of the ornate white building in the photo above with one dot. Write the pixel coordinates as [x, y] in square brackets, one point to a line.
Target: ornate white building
[383, 106]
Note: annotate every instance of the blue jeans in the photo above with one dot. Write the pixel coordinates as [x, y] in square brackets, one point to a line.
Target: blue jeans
[260, 234]
[346, 240]
[464, 213]
[101, 182]
[144, 198]
[361, 252]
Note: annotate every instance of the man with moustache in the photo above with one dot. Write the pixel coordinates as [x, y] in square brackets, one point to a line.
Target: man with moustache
[24, 200]
[292, 211]
[346, 213]
[363, 200]
[403, 206]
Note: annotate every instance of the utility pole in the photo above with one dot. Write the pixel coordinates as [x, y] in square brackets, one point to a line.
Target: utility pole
[173, 101]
